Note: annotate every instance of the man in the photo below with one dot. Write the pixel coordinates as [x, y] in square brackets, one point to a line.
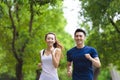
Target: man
[82, 57]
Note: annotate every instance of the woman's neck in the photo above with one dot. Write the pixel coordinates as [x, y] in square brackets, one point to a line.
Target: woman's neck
[50, 48]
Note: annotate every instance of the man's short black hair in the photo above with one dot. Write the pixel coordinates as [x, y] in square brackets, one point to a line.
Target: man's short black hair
[79, 30]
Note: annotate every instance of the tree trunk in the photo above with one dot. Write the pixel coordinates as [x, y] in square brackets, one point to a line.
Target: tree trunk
[19, 74]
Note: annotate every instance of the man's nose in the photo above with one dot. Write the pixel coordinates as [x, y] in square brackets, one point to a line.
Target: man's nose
[79, 37]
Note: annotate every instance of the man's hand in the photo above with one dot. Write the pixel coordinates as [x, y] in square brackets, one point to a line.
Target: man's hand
[69, 73]
[88, 56]
[69, 69]
[95, 61]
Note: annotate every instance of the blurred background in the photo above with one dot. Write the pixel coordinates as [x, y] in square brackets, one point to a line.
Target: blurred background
[23, 24]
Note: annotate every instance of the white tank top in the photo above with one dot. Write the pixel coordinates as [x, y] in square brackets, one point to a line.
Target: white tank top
[49, 72]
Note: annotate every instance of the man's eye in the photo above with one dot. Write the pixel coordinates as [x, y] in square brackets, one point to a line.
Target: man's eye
[78, 35]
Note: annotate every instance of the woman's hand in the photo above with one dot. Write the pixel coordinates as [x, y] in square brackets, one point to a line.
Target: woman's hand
[56, 55]
[39, 65]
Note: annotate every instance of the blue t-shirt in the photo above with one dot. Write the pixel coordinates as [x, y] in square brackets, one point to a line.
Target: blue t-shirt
[82, 67]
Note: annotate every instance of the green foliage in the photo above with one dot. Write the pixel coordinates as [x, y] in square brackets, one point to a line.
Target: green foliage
[47, 17]
[63, 74]
[104, 75]
[104, 30]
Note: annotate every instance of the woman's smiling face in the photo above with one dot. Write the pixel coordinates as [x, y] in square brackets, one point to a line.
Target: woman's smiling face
[50, 39]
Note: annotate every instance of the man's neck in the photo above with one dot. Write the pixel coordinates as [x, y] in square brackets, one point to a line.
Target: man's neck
[80, 46]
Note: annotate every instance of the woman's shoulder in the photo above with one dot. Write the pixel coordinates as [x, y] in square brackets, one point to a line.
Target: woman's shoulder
[58, 49]
[41, 50]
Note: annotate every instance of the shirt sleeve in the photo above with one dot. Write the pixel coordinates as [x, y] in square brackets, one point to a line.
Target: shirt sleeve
[69, 58]
[94, 53]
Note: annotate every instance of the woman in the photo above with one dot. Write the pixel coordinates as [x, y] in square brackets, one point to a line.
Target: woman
[50, 58]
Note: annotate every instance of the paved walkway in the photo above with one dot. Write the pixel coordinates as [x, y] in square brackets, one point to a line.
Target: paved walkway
[115, 74]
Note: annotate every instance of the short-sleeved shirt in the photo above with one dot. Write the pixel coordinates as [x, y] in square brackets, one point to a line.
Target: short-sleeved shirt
[82, 67]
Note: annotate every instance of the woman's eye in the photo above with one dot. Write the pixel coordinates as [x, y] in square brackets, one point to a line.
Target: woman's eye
[50, 38]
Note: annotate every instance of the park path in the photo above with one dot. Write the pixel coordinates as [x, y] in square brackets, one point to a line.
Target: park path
[115, 74]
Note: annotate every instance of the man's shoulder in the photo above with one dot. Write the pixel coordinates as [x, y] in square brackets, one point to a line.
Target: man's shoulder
[89, 47]
[71, 50]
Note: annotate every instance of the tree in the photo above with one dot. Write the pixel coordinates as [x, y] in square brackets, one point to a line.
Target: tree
[104, 15]
[23, 24]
